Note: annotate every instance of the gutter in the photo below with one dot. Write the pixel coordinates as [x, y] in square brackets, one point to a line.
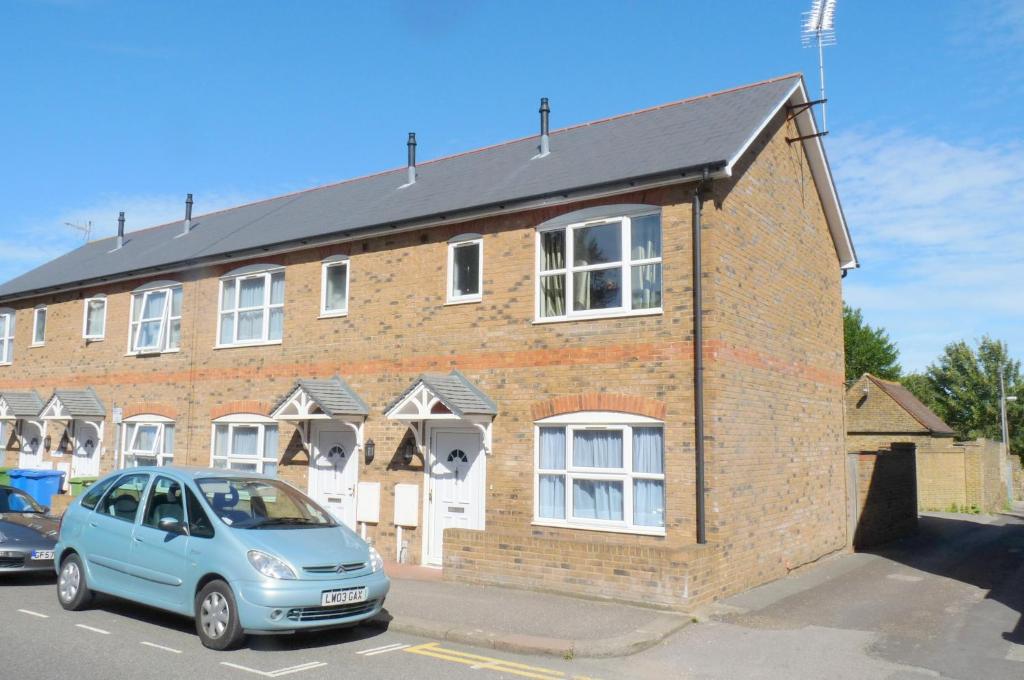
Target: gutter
[608, 189]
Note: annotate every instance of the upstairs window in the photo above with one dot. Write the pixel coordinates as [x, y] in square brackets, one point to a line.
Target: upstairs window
[94, 318]
[600, 267]
[334, 287]
[38, 326]
[6, 336]
[156, 319]
[251, 307]
[465, 268]
[245, 442]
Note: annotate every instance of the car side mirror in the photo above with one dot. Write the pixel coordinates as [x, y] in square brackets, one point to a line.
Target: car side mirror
[46, 509]
[170, 525]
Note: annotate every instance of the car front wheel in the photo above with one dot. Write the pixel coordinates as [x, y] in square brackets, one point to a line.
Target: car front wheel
[217, 617]
[72, 591]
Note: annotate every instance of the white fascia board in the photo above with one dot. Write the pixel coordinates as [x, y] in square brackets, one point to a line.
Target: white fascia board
[820, 171]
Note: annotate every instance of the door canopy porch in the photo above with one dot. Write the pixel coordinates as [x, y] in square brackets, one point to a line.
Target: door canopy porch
[443, 397]
[322, 400]
[19, 405]
[74, 405]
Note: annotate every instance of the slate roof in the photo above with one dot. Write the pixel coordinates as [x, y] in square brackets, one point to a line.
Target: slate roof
[912, 405]
[455, 391]
[333, 396]
[660, 143]
[23, 404]
[80, 403]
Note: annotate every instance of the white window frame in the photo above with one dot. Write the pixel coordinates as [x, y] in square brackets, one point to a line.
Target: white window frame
[625, 266]
[7, 339]
[453, 245]
[164, 336]
[324, 268]
[36, 340]
[161, 423]
[267, 276]
[92, 337]
[597, 421]
[243, 420]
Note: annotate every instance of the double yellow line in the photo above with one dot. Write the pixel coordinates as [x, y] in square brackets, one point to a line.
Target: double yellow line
[436, 651]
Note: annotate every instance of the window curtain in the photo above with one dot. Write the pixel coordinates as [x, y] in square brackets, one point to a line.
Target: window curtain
[337, 295]
[552, 290]
[648, 494]
[145, 438]
[244, 441]
[597, 448]
[270, 450]
[169, 440]
[220, 440]
[593, 499]
[646, 282]
[94, 322]
[646, 237]
[276, 315]
[152, 319]
[551, 488]
[250, 323]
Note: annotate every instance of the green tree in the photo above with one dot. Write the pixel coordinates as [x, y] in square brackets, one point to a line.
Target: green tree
[868, 350]
[962, 387]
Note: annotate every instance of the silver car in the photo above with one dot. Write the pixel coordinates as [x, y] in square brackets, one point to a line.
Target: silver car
[27, 533]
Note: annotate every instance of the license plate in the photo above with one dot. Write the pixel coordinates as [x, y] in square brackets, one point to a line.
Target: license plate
[42, 554]
[345, 596]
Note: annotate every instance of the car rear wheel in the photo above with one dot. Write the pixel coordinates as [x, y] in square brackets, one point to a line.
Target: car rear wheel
[217, 617]
[72, 591]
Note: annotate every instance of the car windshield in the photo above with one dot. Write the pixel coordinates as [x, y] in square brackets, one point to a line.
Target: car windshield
[261, 504]
[14, 500]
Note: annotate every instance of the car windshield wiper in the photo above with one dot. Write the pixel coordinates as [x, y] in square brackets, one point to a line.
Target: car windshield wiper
[283, 521]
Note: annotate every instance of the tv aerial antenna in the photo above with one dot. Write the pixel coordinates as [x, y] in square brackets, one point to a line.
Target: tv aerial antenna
[85, 229]
[818, 30]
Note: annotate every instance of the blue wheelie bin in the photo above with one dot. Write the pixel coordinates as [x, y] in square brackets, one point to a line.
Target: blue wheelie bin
[42, 485]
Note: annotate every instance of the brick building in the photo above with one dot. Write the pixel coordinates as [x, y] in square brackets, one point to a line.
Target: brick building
[951, 475]
[489, 361]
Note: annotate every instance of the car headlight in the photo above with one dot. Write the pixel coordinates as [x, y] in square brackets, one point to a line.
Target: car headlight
[376, 561]
[268, 565]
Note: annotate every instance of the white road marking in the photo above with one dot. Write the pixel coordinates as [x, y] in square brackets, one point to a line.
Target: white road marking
[32, 613]
[1016, 653]
[382, 650]
[156, 646]
[278, 673]
[385, 651]
[95, 630]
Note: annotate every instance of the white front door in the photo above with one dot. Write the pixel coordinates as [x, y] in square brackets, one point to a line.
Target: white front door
[86, 457]
[455, 496]
[334, 472]
[31, 454]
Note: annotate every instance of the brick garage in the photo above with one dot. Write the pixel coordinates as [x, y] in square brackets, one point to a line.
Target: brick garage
[775, 475]
[951, 475]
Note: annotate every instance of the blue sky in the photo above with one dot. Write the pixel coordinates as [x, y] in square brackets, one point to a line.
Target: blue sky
[129, 105]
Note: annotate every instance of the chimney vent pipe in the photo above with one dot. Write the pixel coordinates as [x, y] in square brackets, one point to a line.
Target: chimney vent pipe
[411, 169]
[188, 214]
[545, 112]
[120, 230]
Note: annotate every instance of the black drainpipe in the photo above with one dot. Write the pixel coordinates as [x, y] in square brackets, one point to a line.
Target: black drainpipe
[698, 361]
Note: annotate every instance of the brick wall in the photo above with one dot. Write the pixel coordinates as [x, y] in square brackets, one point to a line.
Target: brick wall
[985, 483]
[774, 369]
[869, 410]
[886, 495]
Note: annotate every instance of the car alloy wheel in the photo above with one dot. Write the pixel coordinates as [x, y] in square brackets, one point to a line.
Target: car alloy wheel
[69, 582]
[214, 615]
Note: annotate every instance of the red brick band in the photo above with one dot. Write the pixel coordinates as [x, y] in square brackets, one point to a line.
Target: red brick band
[599, 401]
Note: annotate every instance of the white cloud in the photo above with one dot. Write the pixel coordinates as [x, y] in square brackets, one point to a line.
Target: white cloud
[939, 227]
[39, 240]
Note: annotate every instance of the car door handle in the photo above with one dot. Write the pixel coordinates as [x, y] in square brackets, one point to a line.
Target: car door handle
[92, 524]
[137, 539]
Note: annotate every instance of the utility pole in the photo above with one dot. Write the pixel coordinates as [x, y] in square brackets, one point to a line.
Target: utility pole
[1002, 411]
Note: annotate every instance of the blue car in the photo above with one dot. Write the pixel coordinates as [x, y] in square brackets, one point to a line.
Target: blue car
[241, 553]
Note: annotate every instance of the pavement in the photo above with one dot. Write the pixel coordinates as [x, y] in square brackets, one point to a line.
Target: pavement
[521, 621]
